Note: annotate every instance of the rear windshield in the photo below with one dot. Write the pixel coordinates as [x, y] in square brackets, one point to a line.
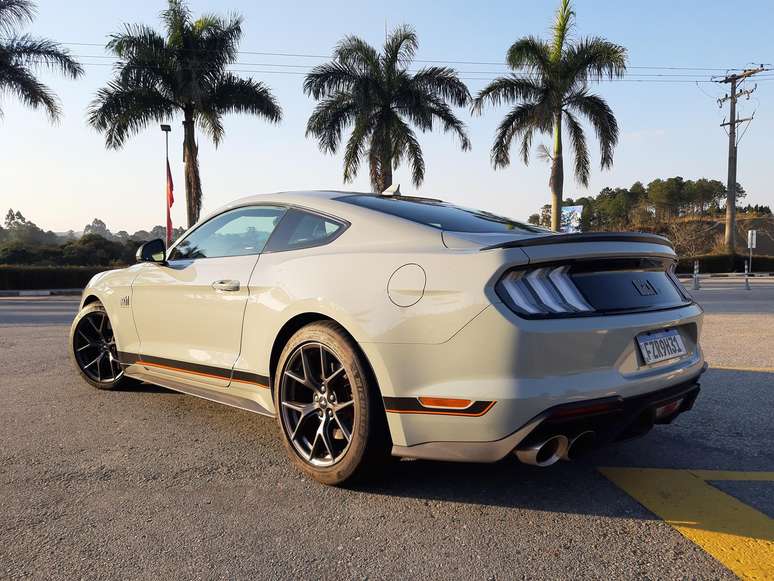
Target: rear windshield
[439, 214]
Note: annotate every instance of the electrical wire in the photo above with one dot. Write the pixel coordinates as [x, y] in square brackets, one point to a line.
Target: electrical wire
[428, 61]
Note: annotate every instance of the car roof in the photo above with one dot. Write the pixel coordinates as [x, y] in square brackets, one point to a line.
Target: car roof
[344, 205]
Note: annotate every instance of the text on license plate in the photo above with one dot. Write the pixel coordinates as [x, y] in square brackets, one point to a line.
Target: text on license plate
[661, 346]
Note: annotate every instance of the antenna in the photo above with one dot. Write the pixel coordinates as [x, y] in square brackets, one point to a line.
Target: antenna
[393, 190]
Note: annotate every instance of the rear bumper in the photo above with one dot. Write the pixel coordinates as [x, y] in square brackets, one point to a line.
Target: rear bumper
[610, 419]
[522, 368]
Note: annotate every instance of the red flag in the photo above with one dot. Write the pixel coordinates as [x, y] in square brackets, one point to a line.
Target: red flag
[170, 201]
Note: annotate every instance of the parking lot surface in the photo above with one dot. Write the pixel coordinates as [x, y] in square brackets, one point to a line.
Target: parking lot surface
[147, 482]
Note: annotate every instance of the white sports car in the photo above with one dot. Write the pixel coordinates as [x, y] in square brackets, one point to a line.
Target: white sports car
[375, 324]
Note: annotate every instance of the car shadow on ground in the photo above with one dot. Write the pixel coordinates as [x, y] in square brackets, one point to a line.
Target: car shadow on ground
[708, 437]
[711, 436]
[573, 488]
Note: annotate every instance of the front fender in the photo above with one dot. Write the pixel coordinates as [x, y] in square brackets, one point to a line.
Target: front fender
[113, 288]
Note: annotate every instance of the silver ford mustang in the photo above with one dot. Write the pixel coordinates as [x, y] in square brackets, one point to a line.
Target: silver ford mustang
[371, 325]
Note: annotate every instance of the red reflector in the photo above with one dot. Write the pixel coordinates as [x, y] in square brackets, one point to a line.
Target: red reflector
[668, 409]
[585, 409]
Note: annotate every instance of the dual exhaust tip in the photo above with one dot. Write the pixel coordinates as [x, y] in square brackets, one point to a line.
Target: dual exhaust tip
[556, 448]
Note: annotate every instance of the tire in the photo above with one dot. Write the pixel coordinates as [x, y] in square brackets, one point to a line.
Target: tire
[97, 364]
[313, 411]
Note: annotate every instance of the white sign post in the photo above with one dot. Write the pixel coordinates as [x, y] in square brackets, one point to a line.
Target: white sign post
[752, 243]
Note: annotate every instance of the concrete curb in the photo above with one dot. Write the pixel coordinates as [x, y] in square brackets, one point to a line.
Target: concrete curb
[59, 292]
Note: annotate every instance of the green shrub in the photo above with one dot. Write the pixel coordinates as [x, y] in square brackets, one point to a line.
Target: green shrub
[712, 263]
[46, 277]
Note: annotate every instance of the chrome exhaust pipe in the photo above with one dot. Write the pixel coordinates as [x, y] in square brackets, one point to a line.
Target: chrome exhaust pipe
[579, 445]
[544, 453]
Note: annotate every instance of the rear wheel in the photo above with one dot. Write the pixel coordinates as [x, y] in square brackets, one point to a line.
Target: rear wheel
[93, 348]
[328, 409]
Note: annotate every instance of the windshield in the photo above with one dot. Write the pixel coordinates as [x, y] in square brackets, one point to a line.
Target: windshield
[438, 214]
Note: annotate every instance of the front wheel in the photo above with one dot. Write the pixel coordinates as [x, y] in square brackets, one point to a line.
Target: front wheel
[329, 412]
[93, 348]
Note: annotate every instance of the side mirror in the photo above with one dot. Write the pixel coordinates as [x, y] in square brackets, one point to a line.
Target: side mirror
[152, 251]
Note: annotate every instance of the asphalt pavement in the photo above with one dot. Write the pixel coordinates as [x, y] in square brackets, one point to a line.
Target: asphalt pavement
[38, 310]
[150, 483]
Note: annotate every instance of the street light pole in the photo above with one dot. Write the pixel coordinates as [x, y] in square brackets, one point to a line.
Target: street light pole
[166, 129]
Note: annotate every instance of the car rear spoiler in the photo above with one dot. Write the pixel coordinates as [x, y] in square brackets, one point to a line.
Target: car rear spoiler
[584, 237]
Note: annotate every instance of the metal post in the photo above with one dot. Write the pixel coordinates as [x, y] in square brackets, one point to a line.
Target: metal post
[695, 275]
[750, 258]
[166, 129]
[746, 275]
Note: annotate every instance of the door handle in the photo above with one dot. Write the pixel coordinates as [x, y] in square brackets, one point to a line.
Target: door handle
[226, 285]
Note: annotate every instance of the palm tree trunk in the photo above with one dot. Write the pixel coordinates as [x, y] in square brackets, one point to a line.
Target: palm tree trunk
[193, 184]
[386, 172]
[556, 182]
[385, 162]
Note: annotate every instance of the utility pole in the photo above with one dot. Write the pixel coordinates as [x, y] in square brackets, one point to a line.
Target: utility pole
[732, 144]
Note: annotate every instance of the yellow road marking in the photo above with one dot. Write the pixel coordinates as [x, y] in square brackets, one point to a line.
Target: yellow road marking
[735, 534]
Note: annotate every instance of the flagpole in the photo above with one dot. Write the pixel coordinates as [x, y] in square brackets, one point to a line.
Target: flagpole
[166, 129]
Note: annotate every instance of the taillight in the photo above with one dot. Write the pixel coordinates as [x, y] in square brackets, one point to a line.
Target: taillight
[592, 287]
[542, 291]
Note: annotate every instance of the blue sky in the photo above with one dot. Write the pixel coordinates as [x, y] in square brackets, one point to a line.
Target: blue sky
[62, 176]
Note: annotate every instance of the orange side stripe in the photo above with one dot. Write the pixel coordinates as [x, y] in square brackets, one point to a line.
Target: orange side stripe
[170, 368]
[179, 370]
[249, 382]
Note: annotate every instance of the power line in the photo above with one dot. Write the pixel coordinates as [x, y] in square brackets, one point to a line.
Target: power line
[429, 61]
[464, 75]
[309, 67]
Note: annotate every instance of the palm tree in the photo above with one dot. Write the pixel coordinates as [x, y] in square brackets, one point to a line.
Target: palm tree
[183, 72]
[380, 98]
[21, 54]
[552, 88]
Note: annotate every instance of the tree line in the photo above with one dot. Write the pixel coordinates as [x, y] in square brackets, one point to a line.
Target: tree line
[650, 207]
[24, 242]
[372, 94]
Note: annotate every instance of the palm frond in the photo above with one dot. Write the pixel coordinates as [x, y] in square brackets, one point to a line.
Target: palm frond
[17, 80]
[357, 55]
[15, 13]
[229, 93]
[531, 54]
[601, 117]
[329, 78]
[508, 89]
[563, 23]
[543, 153]
[29, 52]
[176, 19]
[443, 82]
[523, 118]
[593, 59]
[400, 47]
[407, 146]
[356, 145]
[119, 111]
[218, 39]
[329, 119]
[580, 150]
[211, 123]
[136, 41]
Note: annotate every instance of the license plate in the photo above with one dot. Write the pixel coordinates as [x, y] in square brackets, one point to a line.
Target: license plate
[661, 346]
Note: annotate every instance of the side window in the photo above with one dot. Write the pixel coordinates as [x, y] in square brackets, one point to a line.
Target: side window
[238, 232]
[300, 229]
